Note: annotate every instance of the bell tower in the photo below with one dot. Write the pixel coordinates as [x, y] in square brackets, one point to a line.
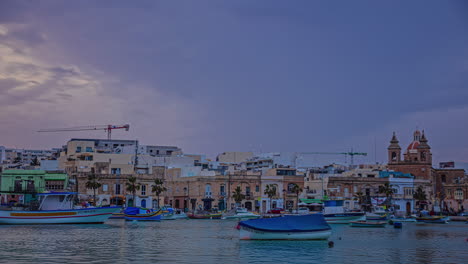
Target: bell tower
[424, 150]
[394, 151]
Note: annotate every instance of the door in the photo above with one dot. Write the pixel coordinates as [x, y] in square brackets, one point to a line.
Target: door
[408, 208]
[143, 203]
[248, 206]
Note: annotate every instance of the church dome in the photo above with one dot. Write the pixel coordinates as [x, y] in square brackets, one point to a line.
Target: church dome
[413, 145]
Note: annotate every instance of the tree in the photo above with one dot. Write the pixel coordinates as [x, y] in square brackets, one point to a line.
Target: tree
[420, 196]
[158, 188]
[237, 195]
[360, 197]
[297, 190]
[270, 191]
[132, 187]
[35, 162]
[387, 189]
[17, 159]
[93, 183]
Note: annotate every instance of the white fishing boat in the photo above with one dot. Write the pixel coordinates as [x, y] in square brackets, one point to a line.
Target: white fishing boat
[55, 208]
[242, 213]
[335, 213]
[293, 227]
[173, 214]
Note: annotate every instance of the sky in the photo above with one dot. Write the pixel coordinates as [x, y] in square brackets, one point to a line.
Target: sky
[215, 76]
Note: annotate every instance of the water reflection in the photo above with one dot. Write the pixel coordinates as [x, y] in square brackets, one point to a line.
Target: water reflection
[216, 241]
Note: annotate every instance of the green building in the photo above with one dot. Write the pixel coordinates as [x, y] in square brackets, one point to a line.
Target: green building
[32, 181]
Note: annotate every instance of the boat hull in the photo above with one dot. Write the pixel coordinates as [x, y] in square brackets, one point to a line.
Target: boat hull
[72, 216]
[242, 216]
[432, 220]
[344, 218]
[155, 216]
[252, 234]
[367, 224]
[211, 216]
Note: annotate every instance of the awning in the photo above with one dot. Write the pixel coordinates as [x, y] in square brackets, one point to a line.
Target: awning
[310, 201]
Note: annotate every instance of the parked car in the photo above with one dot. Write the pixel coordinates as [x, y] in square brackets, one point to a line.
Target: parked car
[275, 211]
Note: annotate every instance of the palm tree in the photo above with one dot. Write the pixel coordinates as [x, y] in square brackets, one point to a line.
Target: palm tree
[158, 187]
[297, 190]
[270, 191]
[420, 196]
[35, 162]
[93, 183]
[132, 187]
[388, 191]
[359, 196]
[237, 195]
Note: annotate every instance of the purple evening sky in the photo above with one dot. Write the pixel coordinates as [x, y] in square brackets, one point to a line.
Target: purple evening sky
[214, 76]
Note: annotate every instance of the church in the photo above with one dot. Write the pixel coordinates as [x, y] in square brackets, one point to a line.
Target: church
[417, 160]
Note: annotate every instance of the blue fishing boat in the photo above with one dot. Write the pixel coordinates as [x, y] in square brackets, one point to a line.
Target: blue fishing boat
[296, 227]
[142, 214]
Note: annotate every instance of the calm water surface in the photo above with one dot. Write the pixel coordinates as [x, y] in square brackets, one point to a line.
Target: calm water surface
[216, 241]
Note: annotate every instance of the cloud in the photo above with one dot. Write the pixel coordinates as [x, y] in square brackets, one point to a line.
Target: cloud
[37, 93]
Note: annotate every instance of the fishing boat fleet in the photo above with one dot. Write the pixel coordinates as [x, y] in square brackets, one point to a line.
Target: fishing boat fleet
[59, 208]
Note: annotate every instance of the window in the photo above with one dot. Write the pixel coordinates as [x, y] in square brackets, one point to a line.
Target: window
[78, 149]
[105, 187]
[54, 185]
[115, 171]
[394, 156]
[257, 188]
[247, 190]
[355, 189]
[89, 149]
[117, 189]
[157, 152]
[88, 158]
[285, 172]
[208, 190]
[346, 192]
[443, 178]
[221, 190]
[458, 194]
[290, 187]
[143, 189]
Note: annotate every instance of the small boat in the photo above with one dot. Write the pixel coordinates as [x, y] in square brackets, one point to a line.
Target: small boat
[335, 213]
[401, 220]
[205, 216]
[56, 208]
[397, 225]
[242, 213]
[171, 214]
[142, 214]
[432, 219]
[376, 217]
[296, 227]
[459, 218]
[368, 223]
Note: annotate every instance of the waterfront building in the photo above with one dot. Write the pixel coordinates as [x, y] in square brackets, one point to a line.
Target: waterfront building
[417, 160]
[23, 158]
[15, 183]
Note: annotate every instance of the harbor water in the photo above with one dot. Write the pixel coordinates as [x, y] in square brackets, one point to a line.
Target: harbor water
[217, 241]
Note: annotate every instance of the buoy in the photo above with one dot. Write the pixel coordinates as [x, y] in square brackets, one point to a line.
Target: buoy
[331, 244]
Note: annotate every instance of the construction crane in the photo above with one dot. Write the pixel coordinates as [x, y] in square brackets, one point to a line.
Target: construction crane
[107, 128]
[346, 154]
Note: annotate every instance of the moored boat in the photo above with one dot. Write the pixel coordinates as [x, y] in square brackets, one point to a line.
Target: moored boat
[400, 219]
[205, 216]
[142, 214]
[296, 227]
[432, 219]
[242, 213]
[171, 214]
[56, 208]
[376, 217]
[335, 213]
[368, 223]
